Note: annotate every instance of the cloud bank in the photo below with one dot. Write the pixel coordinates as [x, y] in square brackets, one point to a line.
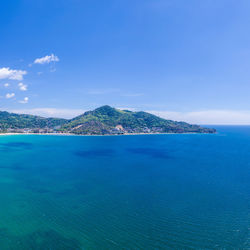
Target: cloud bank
[50, 112]
[25, 100]
[22, 86]
[213, 117]
[9, 95]
[12, 74]
[46, 59]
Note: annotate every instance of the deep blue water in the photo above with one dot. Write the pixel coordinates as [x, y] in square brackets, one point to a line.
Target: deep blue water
[126, 192]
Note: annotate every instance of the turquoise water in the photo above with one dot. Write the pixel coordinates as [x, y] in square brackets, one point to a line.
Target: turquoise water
[126, 192]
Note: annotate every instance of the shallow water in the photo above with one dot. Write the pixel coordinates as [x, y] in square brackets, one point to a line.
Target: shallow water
[126, 192]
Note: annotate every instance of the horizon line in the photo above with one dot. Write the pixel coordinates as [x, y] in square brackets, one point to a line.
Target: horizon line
[205, 117]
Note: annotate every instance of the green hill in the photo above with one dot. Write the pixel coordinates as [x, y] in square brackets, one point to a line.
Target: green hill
[108, 120]
[20, 121]
[101, 121]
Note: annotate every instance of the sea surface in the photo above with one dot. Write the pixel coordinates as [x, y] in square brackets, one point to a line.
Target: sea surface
[126, 192]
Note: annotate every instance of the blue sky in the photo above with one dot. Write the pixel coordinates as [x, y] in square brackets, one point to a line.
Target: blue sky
[184, 60]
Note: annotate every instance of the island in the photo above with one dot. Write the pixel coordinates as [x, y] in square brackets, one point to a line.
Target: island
[104, 120]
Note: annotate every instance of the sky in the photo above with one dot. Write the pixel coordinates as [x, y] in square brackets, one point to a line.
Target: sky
[182, 60]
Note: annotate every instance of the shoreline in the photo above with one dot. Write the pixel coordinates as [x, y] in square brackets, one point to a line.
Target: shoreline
[69, 134]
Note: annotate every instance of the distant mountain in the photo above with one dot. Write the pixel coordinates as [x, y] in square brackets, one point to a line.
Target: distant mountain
[101, 121]
[19, 121]
[108, 120]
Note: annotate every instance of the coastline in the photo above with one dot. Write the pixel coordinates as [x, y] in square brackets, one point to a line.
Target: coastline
[126, 134]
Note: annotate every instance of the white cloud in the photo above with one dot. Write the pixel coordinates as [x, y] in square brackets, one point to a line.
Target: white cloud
[25, 100]
[46, 59]
[9, 95]
[6, 85]
[51, 112]
[213, 117]
[22, 86]
[12, 74]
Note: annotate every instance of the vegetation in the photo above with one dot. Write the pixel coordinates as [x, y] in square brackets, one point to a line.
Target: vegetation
[101, 121]
[108, 120]
[17, 121]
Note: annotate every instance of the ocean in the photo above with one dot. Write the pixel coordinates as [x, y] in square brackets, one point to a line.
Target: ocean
[189, 191]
